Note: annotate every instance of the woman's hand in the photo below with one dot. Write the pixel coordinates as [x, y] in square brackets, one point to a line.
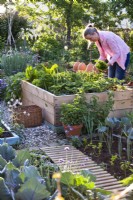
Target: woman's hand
[109, 64]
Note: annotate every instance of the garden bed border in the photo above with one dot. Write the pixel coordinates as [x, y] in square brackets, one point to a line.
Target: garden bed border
[10, 140]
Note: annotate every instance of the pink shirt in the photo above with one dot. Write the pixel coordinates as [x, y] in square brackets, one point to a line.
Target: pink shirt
[114, 49]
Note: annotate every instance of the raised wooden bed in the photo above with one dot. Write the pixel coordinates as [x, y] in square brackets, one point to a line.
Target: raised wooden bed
[50, 103]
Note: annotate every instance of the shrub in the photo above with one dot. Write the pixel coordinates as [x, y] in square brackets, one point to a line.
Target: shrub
[131, 40]
[13, 89]
[16, 61]
[72, 113]
[2, 88]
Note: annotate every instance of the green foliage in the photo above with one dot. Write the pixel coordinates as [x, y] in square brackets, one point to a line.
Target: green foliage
[101, 65]
[131, 40]
[130, 68]
[15, 61]
[48, 47]
[45, 167]
[31, 73]
[78, 179]
[76, 141]
[7, 152]
[32, 189]
[21, 157]
[77, 184]
[18, 24]
[45, 78]
[113, 159]
[97, 113]
[67, 17]
[102, 110]
[120, 4]
[2, 1]
[2, 43]
[3, 86]
[5, 192]
[1, 131]
[72, 113]
[130, 117]
[127, 181]
[13, 89]
[67, 82]
[20, 181]
[3, 30]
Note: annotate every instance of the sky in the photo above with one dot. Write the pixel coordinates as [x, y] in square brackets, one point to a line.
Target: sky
[2, 9]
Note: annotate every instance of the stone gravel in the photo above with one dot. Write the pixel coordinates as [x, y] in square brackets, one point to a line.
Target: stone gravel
[36, 137]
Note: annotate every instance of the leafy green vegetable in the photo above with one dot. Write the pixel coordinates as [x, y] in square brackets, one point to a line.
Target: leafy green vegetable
[101, 65]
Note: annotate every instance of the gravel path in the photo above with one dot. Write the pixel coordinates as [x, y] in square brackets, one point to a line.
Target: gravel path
[36, 137]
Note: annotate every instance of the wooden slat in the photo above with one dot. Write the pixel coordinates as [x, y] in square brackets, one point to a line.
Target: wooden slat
[100, 179]
[48, 110]
[38, 101]
[103, 178]
[43, 94]
[123, 104]
[114, 187]
[103, 96]
[120, 112]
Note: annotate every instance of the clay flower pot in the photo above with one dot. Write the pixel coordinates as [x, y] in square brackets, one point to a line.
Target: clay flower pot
[75, 66]
[82, 66]
[130, 84]
[90, 67]
[72, 130]
[95, 69]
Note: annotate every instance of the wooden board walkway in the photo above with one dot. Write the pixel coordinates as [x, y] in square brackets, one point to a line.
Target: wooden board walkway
[69, 157]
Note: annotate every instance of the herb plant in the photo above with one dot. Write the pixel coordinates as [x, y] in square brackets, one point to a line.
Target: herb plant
[96, 113]
[72, 113]
[15, 61]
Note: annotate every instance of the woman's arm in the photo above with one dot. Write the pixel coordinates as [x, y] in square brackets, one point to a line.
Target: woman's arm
[112, 44]
[101, 52]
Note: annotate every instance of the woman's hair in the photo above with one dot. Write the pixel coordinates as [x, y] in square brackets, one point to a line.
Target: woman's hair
[89, 30]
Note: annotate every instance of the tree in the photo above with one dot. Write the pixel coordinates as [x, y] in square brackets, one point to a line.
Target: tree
[67, 17]
[123, 4]
[73, 15]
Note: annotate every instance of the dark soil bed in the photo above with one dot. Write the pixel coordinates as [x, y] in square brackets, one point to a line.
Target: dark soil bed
[116, 166]
[6, 134]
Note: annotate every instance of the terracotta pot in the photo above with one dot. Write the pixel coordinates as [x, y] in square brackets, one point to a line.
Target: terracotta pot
[72, 130]
[75, 66]
[82, 66]
[130, 83]
[95, 69]
[90, 67]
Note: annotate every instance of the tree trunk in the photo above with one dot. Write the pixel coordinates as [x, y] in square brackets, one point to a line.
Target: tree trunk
[69, 23]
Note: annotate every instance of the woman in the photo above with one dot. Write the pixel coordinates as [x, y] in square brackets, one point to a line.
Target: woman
[111, 48]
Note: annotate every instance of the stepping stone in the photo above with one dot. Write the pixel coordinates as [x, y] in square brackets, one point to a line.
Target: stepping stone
[68, 157]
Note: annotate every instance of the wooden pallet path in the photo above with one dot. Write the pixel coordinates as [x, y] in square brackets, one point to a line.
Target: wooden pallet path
[70, 157]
